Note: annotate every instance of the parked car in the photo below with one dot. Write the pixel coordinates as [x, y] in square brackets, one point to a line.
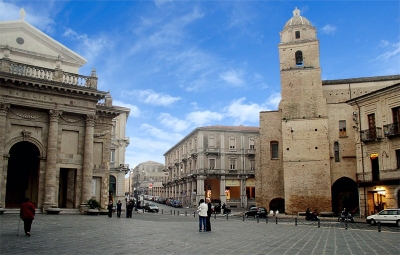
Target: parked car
[177, 203]
[151, 207]
[256, 211]
[385, 216]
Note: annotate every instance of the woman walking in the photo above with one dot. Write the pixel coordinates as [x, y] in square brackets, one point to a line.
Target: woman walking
[27, 214]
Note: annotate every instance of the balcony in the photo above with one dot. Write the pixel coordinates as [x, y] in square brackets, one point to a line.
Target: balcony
[212, 151]
[391, 130]
[250, 152]
[193, 153]
[372, 134]
[185, 157]
[176, 162]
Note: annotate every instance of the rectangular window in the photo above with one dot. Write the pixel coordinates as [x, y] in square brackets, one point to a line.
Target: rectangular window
[251, 143]
[342, 128]
[398, 158]
[371, 126]
[232, 143]
[212, 163]
[211, 141]
[112, 158]
[274, 150]
[396, 120]
[232, 164]
[297, 34]
[336, 149]
[252, 164]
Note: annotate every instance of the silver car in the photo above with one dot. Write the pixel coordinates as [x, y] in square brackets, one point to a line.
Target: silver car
[385, 216]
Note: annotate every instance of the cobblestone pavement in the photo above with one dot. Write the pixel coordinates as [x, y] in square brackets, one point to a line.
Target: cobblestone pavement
[156, 233]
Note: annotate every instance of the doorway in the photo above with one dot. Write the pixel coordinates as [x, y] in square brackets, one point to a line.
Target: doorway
[22, 174]
[66, 189]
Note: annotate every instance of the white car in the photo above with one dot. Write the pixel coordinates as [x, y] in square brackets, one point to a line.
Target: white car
[385, 216]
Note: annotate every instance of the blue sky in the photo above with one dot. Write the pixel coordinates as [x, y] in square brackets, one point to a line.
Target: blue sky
[179, 65]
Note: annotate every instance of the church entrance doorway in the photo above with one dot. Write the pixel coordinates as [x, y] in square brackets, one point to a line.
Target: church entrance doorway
[66, 191]
[22, 174]
[345, 195]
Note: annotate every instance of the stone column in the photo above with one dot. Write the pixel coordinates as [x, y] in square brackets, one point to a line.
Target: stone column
[200, 188]
[189, 192]
[243, 196]
[87, 171]
[51, 161]
[3, 120]
[222, 188]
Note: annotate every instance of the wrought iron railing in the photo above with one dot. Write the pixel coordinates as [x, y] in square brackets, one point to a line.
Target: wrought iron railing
[371, 134]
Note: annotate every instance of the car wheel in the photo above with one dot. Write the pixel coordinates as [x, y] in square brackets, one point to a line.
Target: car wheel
[246, 215]
[373, 222]
[398, 223]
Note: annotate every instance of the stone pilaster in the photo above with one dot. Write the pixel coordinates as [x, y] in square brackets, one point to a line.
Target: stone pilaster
[87, 171]
[3, 120]
[51, 162]
[222, 188]
[243, 196]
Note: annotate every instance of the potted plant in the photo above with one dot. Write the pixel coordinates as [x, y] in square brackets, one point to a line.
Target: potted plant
[93, 207]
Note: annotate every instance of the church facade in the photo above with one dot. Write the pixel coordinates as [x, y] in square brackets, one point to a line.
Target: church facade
[306, 154]
[55, 125]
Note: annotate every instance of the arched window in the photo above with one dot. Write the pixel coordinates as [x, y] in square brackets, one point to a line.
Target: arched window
[299, 58]
[336, 149]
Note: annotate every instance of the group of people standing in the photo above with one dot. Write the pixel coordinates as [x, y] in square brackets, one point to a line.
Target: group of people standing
[205, 211]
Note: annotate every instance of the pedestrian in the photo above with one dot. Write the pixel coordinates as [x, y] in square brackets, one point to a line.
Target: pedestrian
[110, 209]
[27, 214]
[130, 209]
[209, 212]
[202, 210]
[119, 208]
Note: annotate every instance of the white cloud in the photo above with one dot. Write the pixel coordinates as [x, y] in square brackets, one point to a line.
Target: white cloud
[159, 134]
[12, 12]
[383, 43]
[199, 118]
[174, 123]
[135, 111]
[90, 48]
[232, 77]
[242, 112]
[151, 97]
[328, 29]
[392, 52]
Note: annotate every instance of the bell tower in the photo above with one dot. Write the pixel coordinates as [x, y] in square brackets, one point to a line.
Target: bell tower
[305, 143]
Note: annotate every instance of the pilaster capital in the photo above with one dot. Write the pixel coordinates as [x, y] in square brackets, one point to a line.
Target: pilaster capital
[54, 114]
[4, 107]
[90, 119]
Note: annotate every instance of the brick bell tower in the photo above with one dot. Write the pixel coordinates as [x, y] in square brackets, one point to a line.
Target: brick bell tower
[305, 144]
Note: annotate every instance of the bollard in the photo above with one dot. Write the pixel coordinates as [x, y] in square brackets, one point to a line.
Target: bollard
[319, 223]
[243, 217]
[266, 218]
[295, 221]
[276, 220]
[194, 214]
[258, 218]
[215, 215]
[174, 212]
[379, 226]
[171, 212]
[162, 211]
[185, 213]
[143, 210]
[345, 224]
[226, 216]
[178, 213]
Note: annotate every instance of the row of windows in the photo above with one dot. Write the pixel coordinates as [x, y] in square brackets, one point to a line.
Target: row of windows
[232, 142]
[232, 164]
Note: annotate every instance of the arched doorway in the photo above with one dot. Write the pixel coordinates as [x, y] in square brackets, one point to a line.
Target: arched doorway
[277, 204]
[112, 188]
[345, 195]
[22, 174]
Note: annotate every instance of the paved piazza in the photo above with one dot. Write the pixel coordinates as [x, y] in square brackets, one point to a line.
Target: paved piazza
[156, 233]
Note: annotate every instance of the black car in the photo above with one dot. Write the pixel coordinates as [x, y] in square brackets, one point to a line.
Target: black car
[151, 207]
[256, 211]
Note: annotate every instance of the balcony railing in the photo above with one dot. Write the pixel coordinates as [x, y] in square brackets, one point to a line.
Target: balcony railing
[393, 129]
[371, 134]
[212, 151]
[49, 74]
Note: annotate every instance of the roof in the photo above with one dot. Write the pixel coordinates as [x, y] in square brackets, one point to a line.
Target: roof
[362, 79]
[297, 19]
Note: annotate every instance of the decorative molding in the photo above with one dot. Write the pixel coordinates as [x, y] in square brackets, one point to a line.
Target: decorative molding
[26, 135]
[25, 116]
[70, 120]
[100, 134]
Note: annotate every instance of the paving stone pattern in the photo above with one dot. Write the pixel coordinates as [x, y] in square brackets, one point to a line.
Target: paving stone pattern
[156, 233]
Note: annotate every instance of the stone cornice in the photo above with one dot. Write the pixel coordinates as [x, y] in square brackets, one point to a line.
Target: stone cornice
[363, 79]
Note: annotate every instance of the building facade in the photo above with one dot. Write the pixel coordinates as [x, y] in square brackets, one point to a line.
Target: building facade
[378, 148]
[118, 168]
[306, 154]
[55, 125]
[147, 178]
[216, 162]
